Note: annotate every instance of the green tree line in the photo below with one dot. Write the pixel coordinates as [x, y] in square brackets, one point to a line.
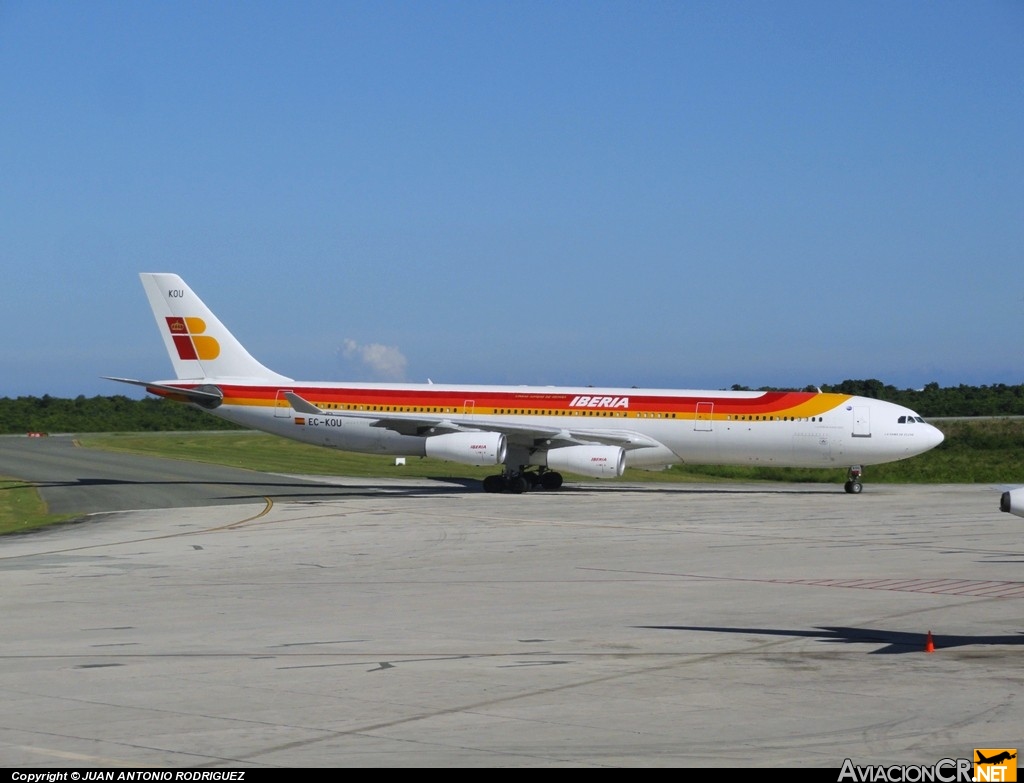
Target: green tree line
[102, 414]
[933, 401]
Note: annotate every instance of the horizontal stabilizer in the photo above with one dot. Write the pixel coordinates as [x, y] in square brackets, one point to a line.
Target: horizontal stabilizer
[208, 396]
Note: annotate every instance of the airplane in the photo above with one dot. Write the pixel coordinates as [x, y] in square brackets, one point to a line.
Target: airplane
[533, 432]
[1012, 501]
[996, 759]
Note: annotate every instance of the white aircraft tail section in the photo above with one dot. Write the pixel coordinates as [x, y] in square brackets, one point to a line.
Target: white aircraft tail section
[199, 345]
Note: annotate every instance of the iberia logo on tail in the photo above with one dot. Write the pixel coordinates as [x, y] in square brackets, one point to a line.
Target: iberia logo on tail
[189, 339]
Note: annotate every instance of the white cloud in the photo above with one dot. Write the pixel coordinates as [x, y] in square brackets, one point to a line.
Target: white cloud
[385, 362]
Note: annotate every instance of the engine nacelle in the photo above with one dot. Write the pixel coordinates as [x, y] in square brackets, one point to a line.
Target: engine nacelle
[1013, 501]
[594, 461]
[468, 448]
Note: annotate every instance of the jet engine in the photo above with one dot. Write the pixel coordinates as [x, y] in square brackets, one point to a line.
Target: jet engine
[1013, 501]
[468, 448]
[594, 461]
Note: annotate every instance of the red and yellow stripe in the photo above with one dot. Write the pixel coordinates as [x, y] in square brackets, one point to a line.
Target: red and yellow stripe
[765, 406]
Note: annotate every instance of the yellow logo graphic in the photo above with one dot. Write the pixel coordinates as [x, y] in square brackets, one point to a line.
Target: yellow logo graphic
[995, 764]
[189, 339]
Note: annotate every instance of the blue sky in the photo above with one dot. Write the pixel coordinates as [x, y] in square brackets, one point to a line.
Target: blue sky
[661, 194]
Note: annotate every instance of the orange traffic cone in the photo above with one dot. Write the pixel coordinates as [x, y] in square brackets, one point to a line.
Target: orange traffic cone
[929, 644]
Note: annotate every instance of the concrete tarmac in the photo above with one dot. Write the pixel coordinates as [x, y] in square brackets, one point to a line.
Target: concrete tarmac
[410, 623]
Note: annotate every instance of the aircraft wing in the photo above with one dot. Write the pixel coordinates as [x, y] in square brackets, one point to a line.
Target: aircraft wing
[520, 434]
[534, 437]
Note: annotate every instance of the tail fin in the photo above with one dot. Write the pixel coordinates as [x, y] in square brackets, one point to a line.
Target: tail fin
[199, 345]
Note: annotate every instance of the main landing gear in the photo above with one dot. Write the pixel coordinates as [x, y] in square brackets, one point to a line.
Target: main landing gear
[523, 481]
[853, 485]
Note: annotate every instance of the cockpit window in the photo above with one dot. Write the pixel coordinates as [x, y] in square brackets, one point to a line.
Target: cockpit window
[910, 420]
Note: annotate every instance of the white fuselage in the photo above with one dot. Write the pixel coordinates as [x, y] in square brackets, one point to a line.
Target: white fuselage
[788, 429]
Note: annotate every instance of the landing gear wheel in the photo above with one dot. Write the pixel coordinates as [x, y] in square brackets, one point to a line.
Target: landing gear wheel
[517, 485]
[551, 480]
[494, 484]
[853, 485]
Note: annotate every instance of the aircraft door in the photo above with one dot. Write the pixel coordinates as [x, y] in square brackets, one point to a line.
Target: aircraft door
[282, 408]
[862, 422]
[702, 417]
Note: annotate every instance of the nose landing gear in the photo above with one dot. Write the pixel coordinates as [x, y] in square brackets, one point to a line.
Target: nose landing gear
[853, 485]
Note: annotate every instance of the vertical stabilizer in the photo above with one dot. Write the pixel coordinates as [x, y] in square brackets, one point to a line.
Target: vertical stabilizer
[199, 345]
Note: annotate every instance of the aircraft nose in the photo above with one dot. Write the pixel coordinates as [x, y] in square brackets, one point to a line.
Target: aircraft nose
[925, 439]
[934, 436]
